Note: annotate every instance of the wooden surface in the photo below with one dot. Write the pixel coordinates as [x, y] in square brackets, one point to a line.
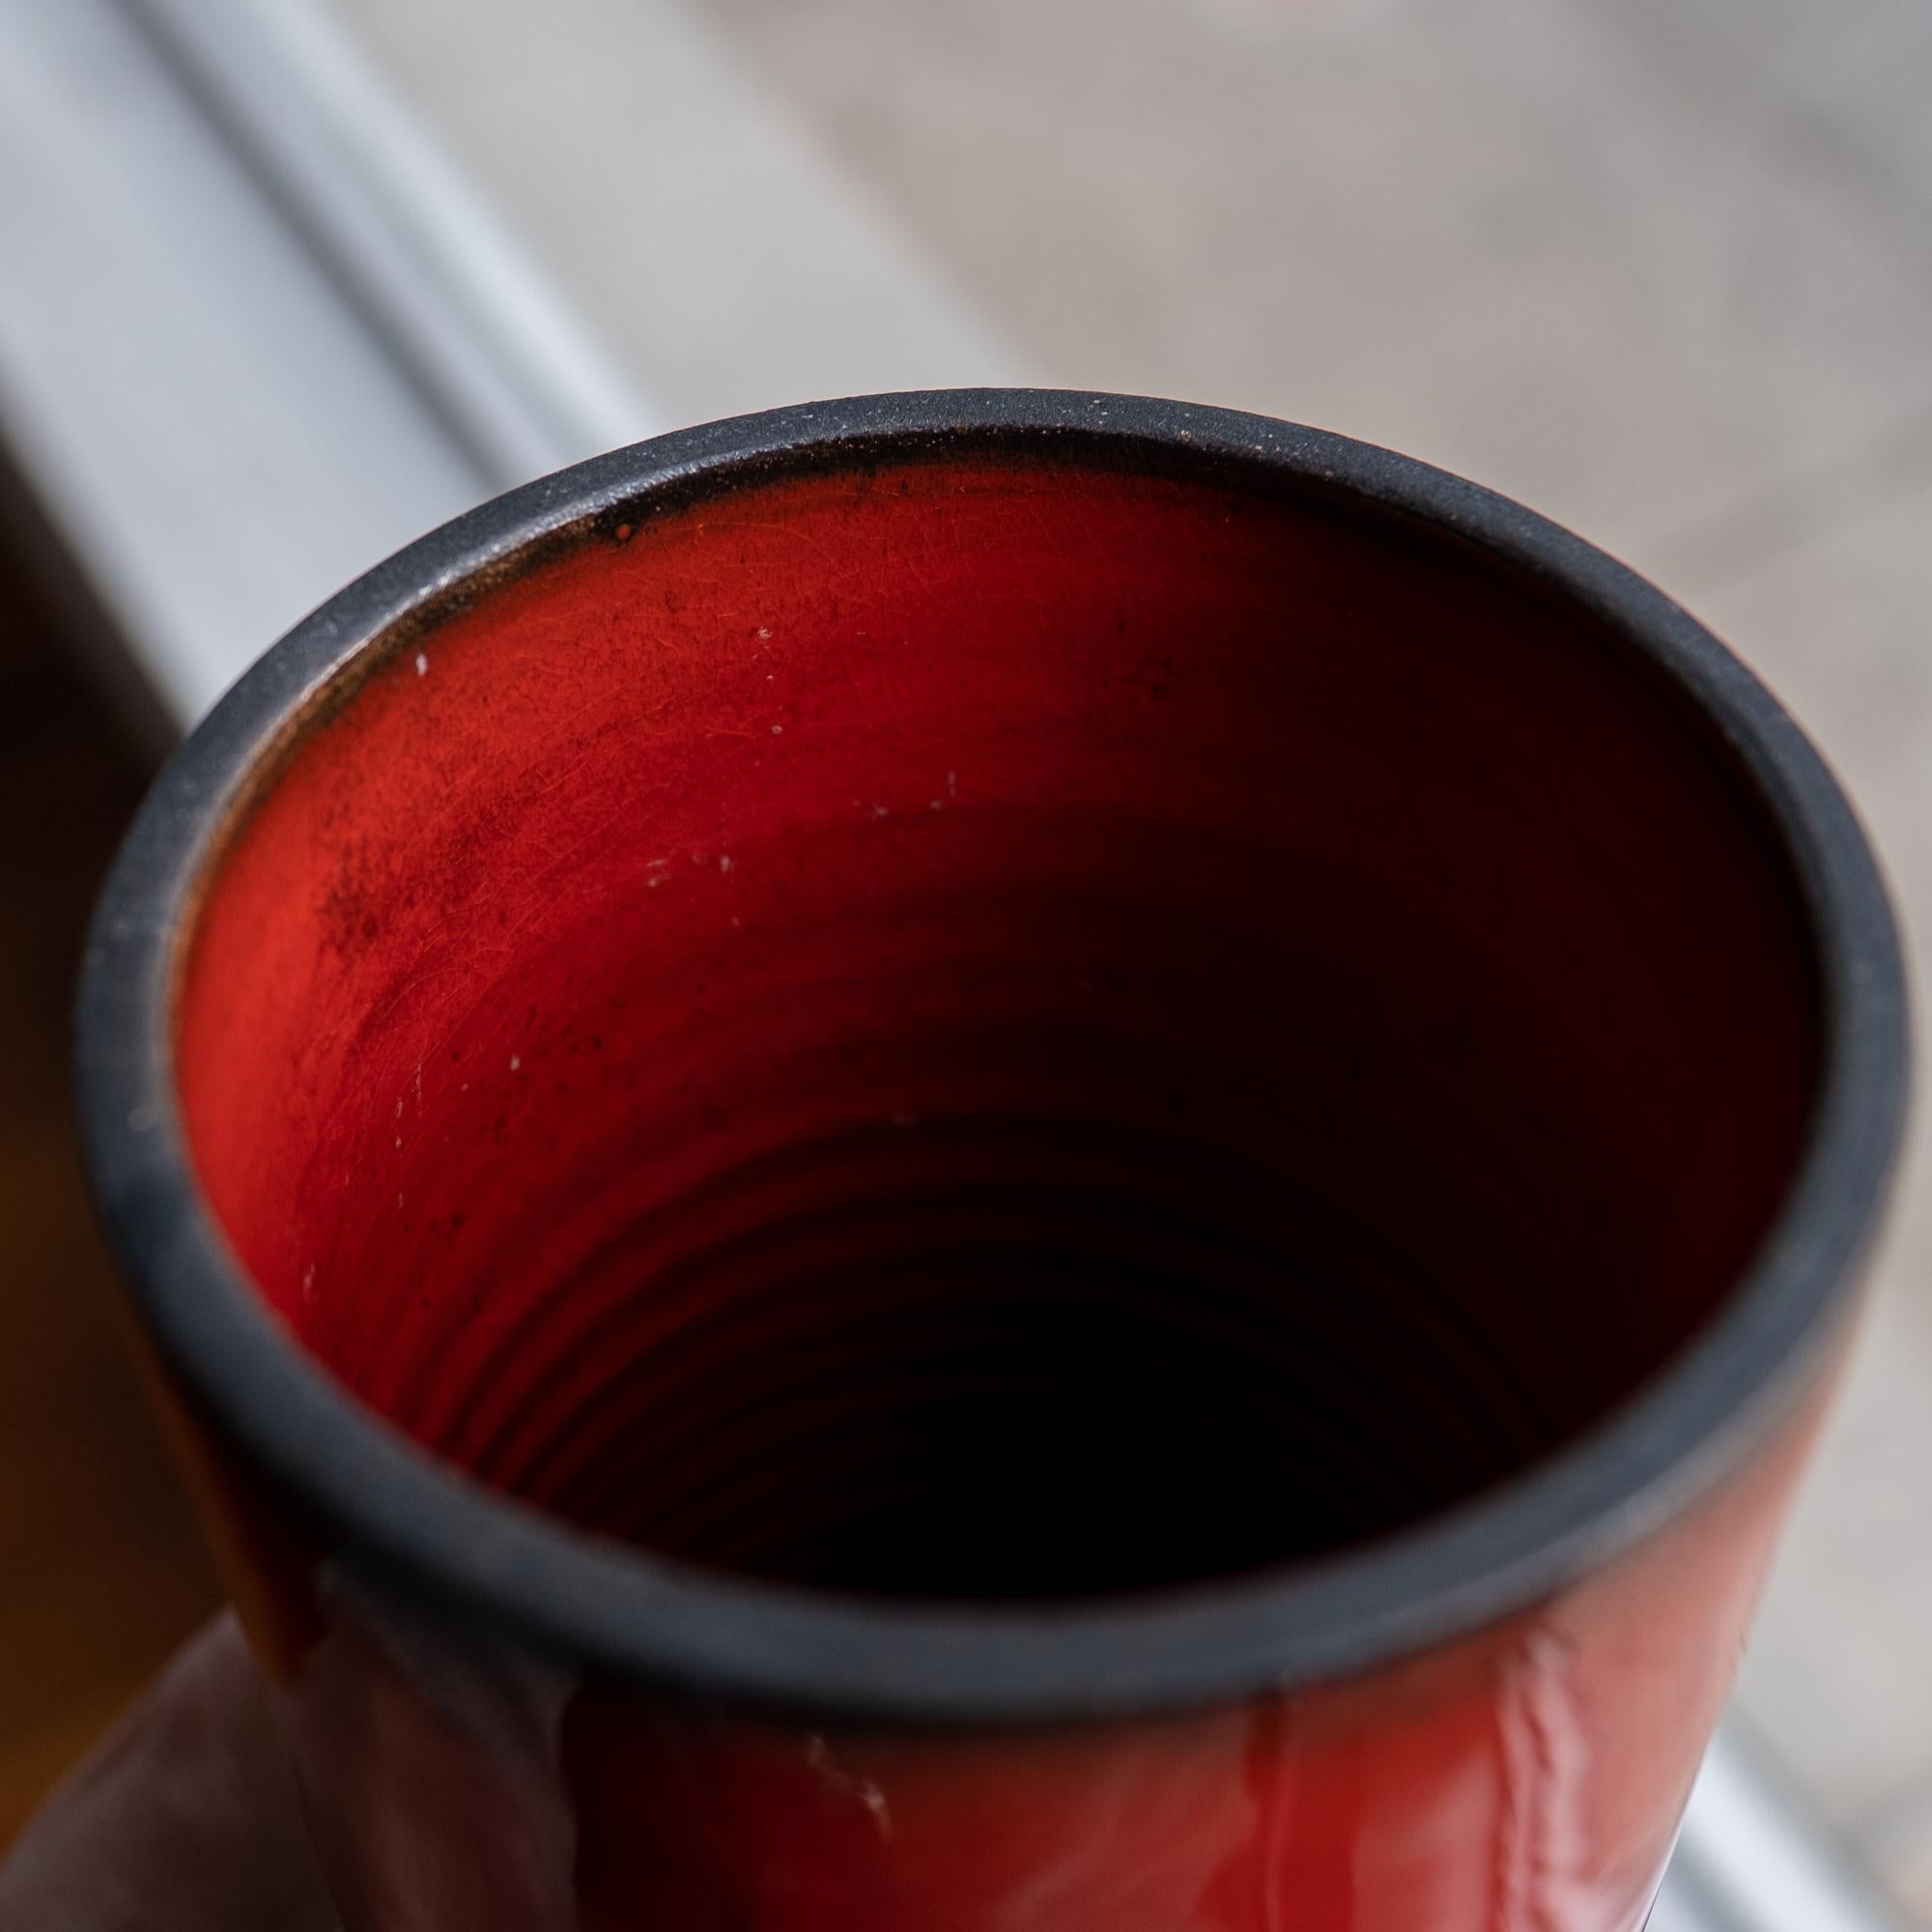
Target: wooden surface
[101, 1571]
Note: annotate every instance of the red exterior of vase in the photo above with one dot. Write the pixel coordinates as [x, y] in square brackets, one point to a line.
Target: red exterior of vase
[1527, 1778]
[995, 1162]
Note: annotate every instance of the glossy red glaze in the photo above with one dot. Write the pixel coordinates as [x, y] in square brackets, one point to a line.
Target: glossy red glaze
[1528, 1781]
[1528, 1778]
[862, 1026]
[1010, 1031]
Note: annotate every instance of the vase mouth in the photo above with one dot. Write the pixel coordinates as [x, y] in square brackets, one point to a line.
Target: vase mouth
[412, 1519]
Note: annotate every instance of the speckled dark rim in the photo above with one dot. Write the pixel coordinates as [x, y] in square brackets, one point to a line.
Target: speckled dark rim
[419, 1524]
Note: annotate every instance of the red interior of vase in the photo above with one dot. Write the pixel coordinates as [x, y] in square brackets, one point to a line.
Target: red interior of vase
[1000, 1028]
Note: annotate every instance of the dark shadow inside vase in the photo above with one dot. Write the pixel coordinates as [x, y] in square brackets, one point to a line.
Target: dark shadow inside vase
[1001, 1027]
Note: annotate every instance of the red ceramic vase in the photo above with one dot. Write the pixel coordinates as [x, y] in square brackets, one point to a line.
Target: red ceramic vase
[995, 1163]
